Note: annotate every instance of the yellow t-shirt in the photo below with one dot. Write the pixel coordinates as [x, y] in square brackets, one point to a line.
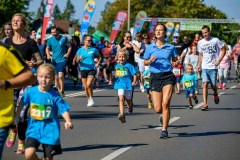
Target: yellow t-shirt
[11, 64]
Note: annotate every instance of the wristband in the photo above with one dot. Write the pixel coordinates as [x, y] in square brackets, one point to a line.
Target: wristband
[7, 85]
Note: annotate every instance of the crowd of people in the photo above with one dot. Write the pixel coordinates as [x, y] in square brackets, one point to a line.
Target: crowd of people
[158, 67]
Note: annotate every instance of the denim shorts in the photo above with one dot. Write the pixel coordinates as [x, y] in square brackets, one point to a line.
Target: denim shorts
[189, 91]
[210, 75]
[59, 67]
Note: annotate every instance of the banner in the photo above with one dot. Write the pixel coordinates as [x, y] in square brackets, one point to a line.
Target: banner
[87, 16]
[139, 21]
[47, 15]
[118, 23]
[170, 27]
[176, 30]
[193, 26]
[152, 25]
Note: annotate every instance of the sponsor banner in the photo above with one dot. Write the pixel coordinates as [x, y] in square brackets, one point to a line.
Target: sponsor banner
[193, 26]
[87, 16]
[139, 21]
[170, 28]
[47, 15]
[152, 25]
[118, 23]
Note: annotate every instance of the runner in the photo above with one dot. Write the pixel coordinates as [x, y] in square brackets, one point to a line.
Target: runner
[208, 61]
[85, 56]
[159, 56]
[43, 123]
[189, 81]
[126, 79]
[59, 55]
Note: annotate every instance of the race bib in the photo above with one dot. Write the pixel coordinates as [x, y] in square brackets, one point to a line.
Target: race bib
[121, 72]
[176, 71]
[188, 84]
[40, 111]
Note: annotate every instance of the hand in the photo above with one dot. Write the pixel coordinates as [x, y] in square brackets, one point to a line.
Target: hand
[65, 56]
[197, 69]
[30, 63]
[134, 84]
[68, 125]
[152, 59]
[79, 58]
[217, 63]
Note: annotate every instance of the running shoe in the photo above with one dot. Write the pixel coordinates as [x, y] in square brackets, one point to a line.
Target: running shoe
[149, 105]
[11, 137]
[110, 83]
[62, 94]
[21, 148]
[216, 99]
[90, 102]
[195, 99]
[130, 109]
[164, 134]
[190, 107]
[160, 119]
[122, 118]
[204, 107]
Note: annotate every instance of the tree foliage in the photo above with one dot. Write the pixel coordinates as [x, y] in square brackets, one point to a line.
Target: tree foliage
[9, 7]
[68, 11]
[163, 9]
[57, 12]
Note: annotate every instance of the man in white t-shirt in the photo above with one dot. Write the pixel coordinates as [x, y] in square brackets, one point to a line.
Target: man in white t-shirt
[209, 48]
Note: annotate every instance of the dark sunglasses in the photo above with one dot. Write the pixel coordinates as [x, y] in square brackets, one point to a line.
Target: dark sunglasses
[89, 40]
[128, 37]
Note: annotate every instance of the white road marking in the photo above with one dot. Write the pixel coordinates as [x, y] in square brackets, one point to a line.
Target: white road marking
[233, 87]
[81, 93]
[170, 121]
[198, 105]
[117, 153]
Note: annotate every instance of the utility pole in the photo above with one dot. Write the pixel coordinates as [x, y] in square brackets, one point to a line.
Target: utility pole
[128, 27]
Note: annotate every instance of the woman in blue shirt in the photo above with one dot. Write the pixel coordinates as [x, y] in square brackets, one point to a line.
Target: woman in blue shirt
[85, 56]
[159, 56]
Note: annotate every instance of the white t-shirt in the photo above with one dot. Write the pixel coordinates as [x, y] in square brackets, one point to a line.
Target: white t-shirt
[137, 55]
[210, 51]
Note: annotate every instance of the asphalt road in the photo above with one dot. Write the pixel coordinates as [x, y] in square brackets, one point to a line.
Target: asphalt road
[194, 134]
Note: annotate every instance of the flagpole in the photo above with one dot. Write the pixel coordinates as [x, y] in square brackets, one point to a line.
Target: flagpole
[128, 27]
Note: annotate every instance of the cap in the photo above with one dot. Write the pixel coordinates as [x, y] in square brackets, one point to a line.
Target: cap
[176, 35]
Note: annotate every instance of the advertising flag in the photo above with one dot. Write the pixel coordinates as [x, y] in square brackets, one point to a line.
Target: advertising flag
[139, 21]
[118, 23]
[87, 16]
[47, 15]
[170, 28]
[152, 25]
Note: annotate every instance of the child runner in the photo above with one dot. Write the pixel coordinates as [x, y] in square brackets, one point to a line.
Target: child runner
[43, 123]
[126, 79]
[189, 80]
[146, 78]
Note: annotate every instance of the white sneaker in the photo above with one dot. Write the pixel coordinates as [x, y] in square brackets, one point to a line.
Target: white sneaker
[142, 88]
[90, 103]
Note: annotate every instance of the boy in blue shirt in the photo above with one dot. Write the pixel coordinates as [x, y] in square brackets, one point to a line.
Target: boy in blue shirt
[189, 80]
[146, 79]
[126, 79]
[43, 123]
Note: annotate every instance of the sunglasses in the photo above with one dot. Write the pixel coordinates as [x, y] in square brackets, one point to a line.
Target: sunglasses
[128, 37]
[89, 40]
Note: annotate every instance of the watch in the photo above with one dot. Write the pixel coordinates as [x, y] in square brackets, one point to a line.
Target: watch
[7, 84]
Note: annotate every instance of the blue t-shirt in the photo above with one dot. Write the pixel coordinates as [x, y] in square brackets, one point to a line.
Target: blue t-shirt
[124, 73]
[43, 122]
[87, 61]
[164, 55]
[146, 78]
[59, 47]
[190, 81]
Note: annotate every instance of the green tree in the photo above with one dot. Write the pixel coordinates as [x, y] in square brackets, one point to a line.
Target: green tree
[69, 11]
[9, 7]
[57, 12]
[40, 10]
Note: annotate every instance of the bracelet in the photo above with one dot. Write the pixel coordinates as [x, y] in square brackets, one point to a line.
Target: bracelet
[7, 84]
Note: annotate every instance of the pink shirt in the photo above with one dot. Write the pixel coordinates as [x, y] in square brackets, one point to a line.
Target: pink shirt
[225, 63]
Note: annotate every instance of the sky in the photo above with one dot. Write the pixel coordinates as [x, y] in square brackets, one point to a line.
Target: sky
[229, 7]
